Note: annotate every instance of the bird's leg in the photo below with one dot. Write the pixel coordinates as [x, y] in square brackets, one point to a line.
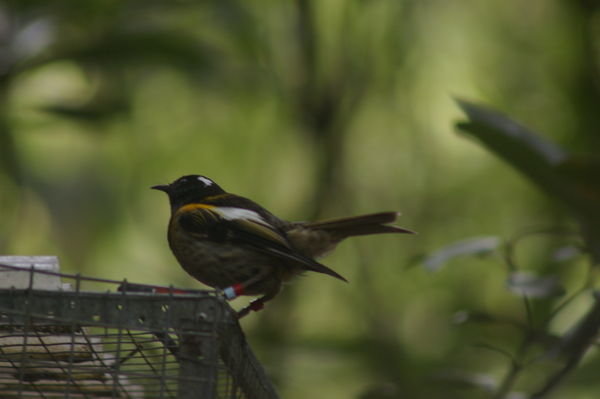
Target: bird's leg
[236, 290]
[256, 304]
[233, 291]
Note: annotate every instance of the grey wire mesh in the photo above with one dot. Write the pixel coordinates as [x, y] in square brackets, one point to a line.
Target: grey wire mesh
[110, 344]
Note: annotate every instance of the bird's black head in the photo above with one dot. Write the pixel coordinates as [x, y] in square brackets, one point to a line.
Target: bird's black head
[189, 189]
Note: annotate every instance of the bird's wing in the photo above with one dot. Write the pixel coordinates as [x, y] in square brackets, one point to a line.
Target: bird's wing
[244, 226]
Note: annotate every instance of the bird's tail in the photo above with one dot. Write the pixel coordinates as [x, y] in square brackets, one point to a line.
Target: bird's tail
[374, 223]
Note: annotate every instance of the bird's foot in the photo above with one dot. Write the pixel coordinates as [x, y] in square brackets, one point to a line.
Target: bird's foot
[254, 305]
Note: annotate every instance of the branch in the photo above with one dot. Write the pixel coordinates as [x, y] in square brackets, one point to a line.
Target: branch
[573, 346]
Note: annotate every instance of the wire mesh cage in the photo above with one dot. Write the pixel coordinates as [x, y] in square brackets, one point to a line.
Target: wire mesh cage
[59, 338]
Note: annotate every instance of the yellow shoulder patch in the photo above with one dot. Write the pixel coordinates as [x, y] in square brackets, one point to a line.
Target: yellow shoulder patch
[214, 197]
[192, 207]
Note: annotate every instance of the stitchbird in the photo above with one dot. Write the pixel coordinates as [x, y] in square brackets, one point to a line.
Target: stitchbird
[231, 243]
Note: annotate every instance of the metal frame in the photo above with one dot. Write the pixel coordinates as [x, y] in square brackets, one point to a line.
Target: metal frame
[83, 344]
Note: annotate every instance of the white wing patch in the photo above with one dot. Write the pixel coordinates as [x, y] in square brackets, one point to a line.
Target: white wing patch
[231, 213]
[207, 182]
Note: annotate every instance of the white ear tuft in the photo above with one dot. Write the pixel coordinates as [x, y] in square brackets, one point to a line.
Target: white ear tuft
[207, 182]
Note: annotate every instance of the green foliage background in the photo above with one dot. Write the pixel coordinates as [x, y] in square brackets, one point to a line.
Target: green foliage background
[313, 109]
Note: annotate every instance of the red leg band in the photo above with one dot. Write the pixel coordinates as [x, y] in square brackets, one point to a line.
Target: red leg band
[238, 289]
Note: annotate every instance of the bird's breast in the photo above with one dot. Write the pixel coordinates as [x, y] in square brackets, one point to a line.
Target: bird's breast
[223, 264]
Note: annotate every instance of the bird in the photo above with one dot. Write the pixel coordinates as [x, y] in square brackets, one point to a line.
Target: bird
[233, 244]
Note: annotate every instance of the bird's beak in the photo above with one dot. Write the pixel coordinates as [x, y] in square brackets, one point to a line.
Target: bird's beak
[161, 187]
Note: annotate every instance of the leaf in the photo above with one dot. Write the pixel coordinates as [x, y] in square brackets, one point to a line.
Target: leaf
[571, 180]
[523, 149]
[466, 316]
[93, 112]
[143, 47]
[506, 135]
[471, 246]
[566, 253]
[523, 283]
[465, 379]
[583, 173]
[573, 345]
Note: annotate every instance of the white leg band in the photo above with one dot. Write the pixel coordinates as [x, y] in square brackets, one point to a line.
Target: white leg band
[229, 293]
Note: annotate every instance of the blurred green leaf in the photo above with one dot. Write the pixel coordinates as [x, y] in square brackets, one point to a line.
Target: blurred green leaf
[151, 45]
[387, 390]
[573, 345]
[464, 379]
[468, 316]
[584, 174]
[566, 253]
[508, 138]
[90, 112]
[522, 148]
[523, 283]
[127, 48]
[546, 164]
[471, 246]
